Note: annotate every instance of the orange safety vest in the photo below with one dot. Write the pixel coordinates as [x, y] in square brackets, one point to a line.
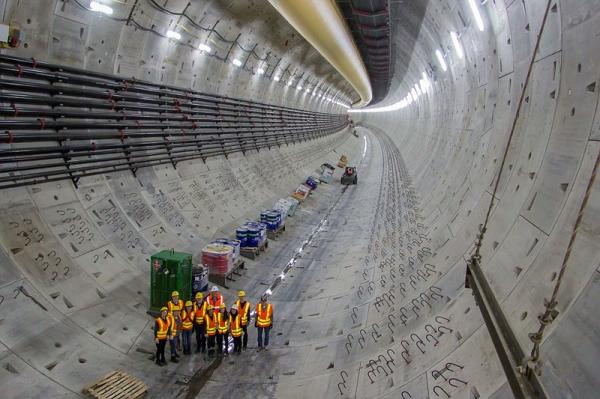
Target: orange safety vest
[163, 327]
[187, 320]
[215, 303]
[236, 325]
[171, 306]
[263, 316]
[211, 324]
[200, 311]
[223, 325]
[243, 311]
[173, 325]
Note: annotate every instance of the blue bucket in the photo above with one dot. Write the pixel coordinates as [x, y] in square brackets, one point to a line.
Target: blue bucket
[242, 235]
[253, 236]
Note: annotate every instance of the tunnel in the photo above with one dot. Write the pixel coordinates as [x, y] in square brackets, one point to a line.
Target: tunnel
[463, 263]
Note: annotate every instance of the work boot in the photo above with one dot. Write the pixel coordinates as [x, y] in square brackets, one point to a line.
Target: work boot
[174, 360]
[259, 348]
[266, 348]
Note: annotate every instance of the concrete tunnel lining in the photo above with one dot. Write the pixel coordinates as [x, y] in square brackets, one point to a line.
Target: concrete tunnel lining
[365, 311]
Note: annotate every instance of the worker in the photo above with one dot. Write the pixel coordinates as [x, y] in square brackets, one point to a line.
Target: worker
[215, 299]
[175, 303]
[264, 321]
[210, 322]
[235, 326]
[187, 326]
[175, 334]
[162, 330]
[199, 312]
[223, 331]
[244, 311]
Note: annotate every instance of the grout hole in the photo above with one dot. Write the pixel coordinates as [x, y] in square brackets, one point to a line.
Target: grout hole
[523, 316]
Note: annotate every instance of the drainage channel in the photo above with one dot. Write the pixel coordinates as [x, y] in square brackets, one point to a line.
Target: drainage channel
[315, 232]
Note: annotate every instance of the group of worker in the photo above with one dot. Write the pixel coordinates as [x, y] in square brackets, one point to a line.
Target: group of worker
[212, 323]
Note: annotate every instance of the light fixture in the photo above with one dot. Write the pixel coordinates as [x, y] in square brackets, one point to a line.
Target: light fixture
[308, 90]
[260, 71]
[236, 62]
[476, 15]
[99, 7]
[441, 60]
[290, 82]
[282, 276]
[423, 86]
[205, 47]
[276, 78]
[268, 292]
[173, 35]
[456, 44]
[418, 89]
[298, 87]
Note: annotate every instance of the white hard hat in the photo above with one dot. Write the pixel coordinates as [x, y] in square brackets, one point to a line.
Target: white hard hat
[234, 307]
[214, 289]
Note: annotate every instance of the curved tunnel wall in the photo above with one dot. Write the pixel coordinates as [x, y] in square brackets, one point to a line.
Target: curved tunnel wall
[88, 305]
[453, 138]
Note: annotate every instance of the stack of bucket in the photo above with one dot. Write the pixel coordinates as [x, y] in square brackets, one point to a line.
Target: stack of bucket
[252, 234]
[311, 182]
[218, 258]
[235, 244]
[272, 218]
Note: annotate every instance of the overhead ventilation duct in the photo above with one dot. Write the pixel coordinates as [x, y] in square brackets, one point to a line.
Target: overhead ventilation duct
[322, 25]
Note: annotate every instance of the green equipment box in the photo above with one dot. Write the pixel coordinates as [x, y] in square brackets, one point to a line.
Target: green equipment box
[169, 271]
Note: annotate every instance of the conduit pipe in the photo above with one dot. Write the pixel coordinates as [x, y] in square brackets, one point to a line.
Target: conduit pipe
[321, 24]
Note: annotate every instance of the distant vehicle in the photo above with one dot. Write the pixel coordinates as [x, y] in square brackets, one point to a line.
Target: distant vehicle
[350, 176]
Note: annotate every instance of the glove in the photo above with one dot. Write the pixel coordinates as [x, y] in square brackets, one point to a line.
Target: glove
[156, 340]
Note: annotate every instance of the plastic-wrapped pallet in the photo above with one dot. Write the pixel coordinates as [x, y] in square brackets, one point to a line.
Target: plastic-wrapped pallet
[283, 206]
[235, 244]
[293, 205]
[301, 192]
[218, 258]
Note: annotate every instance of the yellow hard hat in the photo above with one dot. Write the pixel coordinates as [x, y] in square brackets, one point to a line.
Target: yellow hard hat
[242, 293]
[222, 306]
[188, 303]
[174, 293]
[199, 295]
[163, 309]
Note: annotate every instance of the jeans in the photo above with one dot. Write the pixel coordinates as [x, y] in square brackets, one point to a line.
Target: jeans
[245, 337]
[210, 341]
[200, 338]
[173, 345]
[237, 344]
[160, 351]
[260, 336]
[187, 344]
[223, 343]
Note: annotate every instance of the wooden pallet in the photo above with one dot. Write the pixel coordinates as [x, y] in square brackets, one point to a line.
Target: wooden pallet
[117, 385]
[272, 235]
[253, 252]
[221, 279]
